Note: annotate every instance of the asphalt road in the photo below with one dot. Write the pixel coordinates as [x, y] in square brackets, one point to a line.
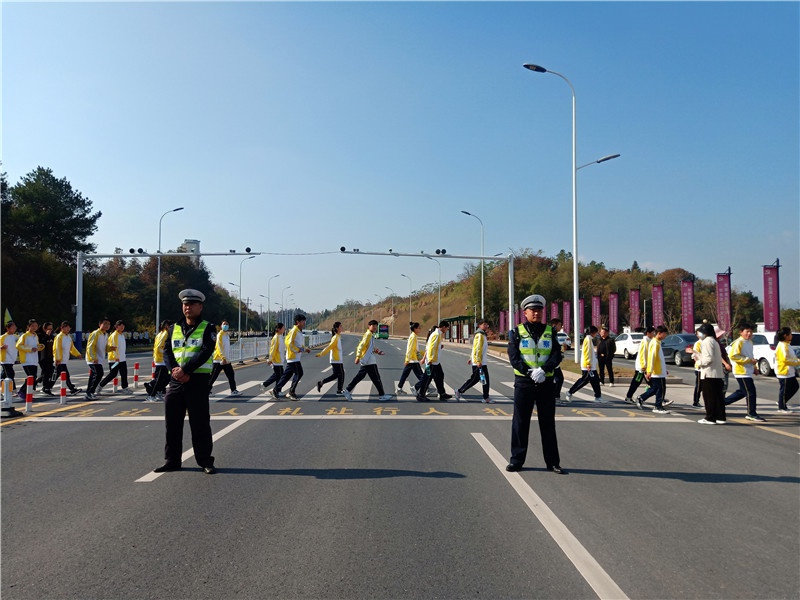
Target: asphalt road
[328, 499]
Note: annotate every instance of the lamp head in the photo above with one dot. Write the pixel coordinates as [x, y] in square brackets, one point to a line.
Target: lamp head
[535, 68]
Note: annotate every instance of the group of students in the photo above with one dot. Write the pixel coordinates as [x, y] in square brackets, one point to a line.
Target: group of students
[286, 349]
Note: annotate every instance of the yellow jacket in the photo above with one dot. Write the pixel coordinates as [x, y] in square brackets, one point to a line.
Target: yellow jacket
[656, 365]
[222, 347]
[785, 360]
[24, 347]
[696, 350]
[412, 349]
[334, 347]
[741, 353]
[113, 340]
[8, 355]
[588, 355]
[58, 347]
[432, 347]
[294, 348]
[641, 356]
[479, 345]
[275, 353]
[158, 347]
[92, 355]
[364, 345]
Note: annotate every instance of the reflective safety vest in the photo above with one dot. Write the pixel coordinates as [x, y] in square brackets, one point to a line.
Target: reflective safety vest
[185, 349]
[534, 354]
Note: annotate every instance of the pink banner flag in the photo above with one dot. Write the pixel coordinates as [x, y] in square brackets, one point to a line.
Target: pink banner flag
[554, 311]
[772, 304]
[634, 303]
[613, 312]
[724, 301]
[581, 313]
[596, 311]
[658, 305]
[687, 305]
[567, 316]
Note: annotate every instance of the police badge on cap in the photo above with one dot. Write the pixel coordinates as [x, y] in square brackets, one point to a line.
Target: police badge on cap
[189, 296]
[533, 301]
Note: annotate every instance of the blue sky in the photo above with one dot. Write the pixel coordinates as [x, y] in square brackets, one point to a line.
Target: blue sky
[302, 127]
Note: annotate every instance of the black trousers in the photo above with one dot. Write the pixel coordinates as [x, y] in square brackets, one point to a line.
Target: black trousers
[95, 375]
[714, 399]
[48, 370]
[528, 395]
[337, 375]
[558, 382]
[62, 368]
[191, 397]
[158, 384]
[407, 370]
[8, 373]
[697, 389]
[788, 388]
[605, 364]
[589, 377]
[475, 378]
[30, 371]
[437, 376]
[294, 371]
[121, 371]
[372, 372]
[277, 373]
[638, 377]
[228, 368]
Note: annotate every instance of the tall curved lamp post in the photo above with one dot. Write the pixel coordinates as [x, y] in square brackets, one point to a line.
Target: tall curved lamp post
[391, 290]
[410, 290]
[158, 272]
[439, 311]
[481, 222]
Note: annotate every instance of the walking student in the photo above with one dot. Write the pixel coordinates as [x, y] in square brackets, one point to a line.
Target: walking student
[47, 339]
[786, 371]
[741, 356]
[412, 359]
[222, 351]
[711, 371]
[334, 348]
[641, 362]
[118, 361]
[432, 348]
[656, 373]
[480, 372]
[8, 351]
[696, 349]
[95, 351]
[277, 356]
[605, 356]
[365, 357]
[28, 348]
[295, 346]
[157, 386]
[63, 348]
[588, 368]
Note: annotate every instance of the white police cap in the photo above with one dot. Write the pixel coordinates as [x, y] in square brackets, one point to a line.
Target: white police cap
[190, 295]
[533, 301]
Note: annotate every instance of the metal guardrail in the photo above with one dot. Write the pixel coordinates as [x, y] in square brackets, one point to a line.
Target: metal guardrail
[253, 348]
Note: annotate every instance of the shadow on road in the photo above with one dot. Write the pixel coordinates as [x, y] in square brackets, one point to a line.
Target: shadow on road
[344, 473]
[692, 477]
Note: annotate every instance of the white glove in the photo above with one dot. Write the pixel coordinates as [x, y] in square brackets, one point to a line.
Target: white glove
[537, 375]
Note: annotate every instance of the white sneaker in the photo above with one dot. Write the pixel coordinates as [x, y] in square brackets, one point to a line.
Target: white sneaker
[568, 398]
[667, 402]
[347, 395]
[458, 396]
[610, 385]
[234, 394]
[704, 422]
[660, 411]
[385, 398]
[262, 388]
[150, 399]
[99, 390]
[601, 400]
[400, 390]
[488, 400]
[783, 411]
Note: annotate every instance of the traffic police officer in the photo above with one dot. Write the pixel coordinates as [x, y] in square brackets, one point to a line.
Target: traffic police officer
[187, 354]
[534, 352]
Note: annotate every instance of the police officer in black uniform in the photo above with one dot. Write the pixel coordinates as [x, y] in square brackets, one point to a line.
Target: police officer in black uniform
[187, 354]
[534, 353]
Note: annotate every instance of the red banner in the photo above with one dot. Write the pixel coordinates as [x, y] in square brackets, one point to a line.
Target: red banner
[613, 312]
[687, 305]
[553, 310]
[634, 303]
[596, 311]
[658, 305]
[772, 304]
[567, 317]
[581, 313]
[724, 301]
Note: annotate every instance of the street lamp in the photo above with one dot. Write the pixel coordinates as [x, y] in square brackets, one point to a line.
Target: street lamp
[268, 282]
[241, 362]
[481, 222]
[283, 316]
[158, 275]
[439, 313]
[391, 290]
[410, 289]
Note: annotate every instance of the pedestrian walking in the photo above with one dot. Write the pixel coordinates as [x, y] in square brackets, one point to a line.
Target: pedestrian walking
[433, 370]
[47, 339]
[8, 351]
[741, 356]
[95, 351]
[786, 369]
[188, 353]
[588, 368]
[558, 374]
[711, 372]
[656, 373]
[606, 348]
[366, 353]
[534, 353]
[480, 372]
[696, 347]
[117, 359]
[157, 386]
[413, 357]
[334, 348]
[277, 356]
[295, 347]
[641, 362]
[63, 348]
[28, 347]
[222, 352]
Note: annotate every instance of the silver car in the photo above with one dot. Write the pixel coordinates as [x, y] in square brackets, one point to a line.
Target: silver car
[628, 344]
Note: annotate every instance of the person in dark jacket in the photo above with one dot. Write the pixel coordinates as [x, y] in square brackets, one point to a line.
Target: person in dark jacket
[605, 356]
[47, 338]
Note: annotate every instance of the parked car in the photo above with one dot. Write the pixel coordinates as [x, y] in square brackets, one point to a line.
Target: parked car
[677, 348]
[764, 345]
[564, 339]
[628, 344]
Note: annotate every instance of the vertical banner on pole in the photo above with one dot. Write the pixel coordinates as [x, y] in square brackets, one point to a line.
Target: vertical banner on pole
[613, 312]
[581, 314]
[634, 303]
[596, 311]
[658, 304]
[687, 305]
[724, 301]
[772, 304]
[567, 316]
[554, 311]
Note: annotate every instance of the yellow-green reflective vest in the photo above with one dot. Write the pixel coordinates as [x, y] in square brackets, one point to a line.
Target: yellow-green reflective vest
[185, 349]
[534, 355]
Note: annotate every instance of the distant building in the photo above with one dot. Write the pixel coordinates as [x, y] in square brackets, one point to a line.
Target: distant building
[192, 246]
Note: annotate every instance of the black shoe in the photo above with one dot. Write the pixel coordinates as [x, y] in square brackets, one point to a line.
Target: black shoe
[512, 467]
[422, 399]
[444, 397]
[167, 468]
[75, 391]
[557, 470]
[48, 393]
[209, 470]
[319, 386]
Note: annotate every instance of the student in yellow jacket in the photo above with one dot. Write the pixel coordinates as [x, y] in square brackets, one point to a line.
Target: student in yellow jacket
[477, 359]
[28, 347]
[95, 353]
[656, 374]
[222, 353]
[277, 356]
[157, 386]
[741, 356]
[588, 368]
[8, 351]
[412, 358]
[334, 348]
[365, 357]
[786, 372]
[434, 371]
[63, 348]
[117, 357]
[295, 347]
[641, 362]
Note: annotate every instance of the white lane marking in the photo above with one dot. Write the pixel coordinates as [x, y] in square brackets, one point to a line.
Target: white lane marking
[587, 566]
[152, 476]
[445, 417]
[326, 369]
